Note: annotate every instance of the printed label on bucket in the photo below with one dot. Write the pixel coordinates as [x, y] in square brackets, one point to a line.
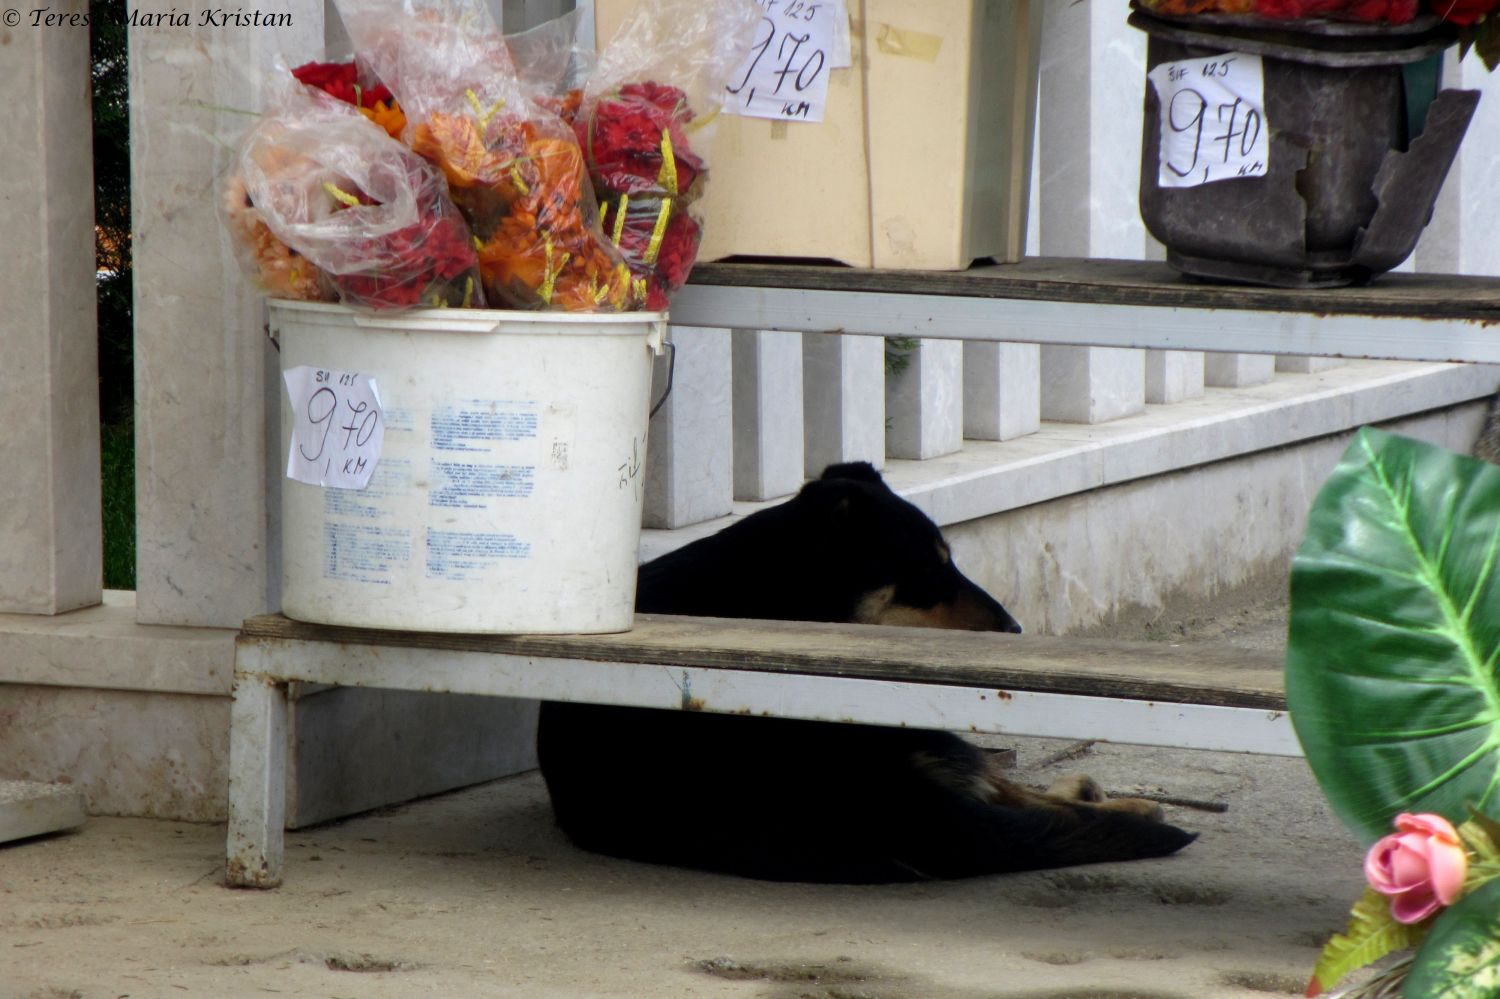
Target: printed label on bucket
[1213, 119]
[337, 427]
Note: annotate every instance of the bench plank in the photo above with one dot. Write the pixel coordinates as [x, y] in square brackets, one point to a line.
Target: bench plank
[1201, 674]
[1129, 282]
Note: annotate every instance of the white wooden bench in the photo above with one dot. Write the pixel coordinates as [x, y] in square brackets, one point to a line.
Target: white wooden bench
[1192, 695]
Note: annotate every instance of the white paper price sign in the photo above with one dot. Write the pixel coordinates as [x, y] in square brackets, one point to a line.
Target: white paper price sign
[1213, 119]
[785, 76]
[337, 427]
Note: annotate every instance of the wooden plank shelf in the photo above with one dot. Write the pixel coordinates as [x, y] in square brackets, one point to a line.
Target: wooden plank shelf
[1145, 671]
[1110, 303]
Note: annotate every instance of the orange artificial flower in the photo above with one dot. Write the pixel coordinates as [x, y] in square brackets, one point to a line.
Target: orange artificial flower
[527, 197]
[388, 115]
[280, 271]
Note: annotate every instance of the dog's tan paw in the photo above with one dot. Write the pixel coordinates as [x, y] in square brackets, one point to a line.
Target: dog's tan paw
[1076, 787]
[1140, 806]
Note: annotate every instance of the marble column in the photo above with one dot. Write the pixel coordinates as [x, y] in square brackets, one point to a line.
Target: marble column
[206, 389]
[51, 557]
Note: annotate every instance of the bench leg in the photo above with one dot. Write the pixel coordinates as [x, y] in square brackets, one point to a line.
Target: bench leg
[257, 782]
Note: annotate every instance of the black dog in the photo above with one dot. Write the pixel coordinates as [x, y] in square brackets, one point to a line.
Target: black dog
[792, 800]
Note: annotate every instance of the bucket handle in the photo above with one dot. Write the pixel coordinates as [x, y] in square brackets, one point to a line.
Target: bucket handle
[671, 370]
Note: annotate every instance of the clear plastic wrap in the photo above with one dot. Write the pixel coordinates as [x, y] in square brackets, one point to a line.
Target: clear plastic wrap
[657, 83]
[335, 191]
[554, 58]
[513, 167]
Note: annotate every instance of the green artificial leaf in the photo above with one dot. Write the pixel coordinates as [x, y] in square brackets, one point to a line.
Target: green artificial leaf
[1461, 957]
[1487, 40]
[1372, 934]
[1395, 634]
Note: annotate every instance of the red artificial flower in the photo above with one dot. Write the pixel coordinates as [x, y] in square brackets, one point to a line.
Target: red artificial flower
[432, 261]
[667, 269]
[341, 80]
[424, 262]
[1293, 9]
[1383, 11]
[1464, 12]
[627, 135]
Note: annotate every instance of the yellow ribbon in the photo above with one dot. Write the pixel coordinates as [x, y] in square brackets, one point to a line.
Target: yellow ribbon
[549, 279]
[620, 219]
[343, 197]
[479, 111]
[667, 176]
[660, 230]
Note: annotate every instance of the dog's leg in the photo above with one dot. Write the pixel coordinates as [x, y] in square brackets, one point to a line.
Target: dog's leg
[1069, 788]
[1084, 789]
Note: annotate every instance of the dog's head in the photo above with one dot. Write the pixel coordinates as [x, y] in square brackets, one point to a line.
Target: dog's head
[887, 560]
[845, 548]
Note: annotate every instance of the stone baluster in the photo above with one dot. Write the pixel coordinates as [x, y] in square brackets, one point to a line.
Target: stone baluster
[924, 401]
[1002, 390]
[843, 398]
[767, 370]
[689, 465]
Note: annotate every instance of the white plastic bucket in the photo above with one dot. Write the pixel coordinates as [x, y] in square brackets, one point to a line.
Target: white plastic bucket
[507, 495]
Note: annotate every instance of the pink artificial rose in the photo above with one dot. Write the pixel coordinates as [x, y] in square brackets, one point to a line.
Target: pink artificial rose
[1421, 866]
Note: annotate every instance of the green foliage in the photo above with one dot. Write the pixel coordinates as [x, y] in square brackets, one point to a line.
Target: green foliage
[1395, 634]
[117, 453]
[1461, 956]
[1371, 935]
[111, 98]
[898, 351]
[113, 286]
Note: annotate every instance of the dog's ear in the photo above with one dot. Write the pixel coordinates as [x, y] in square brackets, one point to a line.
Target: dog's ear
[837, 497]
[859, 471]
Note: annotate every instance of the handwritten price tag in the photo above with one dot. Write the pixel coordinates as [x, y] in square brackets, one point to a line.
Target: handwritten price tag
[1213, 119]
[337, 427]
[785, 75]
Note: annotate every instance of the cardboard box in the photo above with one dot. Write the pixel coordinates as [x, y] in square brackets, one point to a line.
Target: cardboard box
[922, 161]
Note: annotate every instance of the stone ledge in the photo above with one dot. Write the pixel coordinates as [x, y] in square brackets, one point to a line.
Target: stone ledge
[103, 647]
[1063, 459]
[29, 808]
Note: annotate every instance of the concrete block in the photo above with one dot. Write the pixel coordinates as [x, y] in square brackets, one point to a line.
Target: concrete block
[768, 436]
[29, 808]
[1002, 390]
[1301, 365]
[1173, 375]
[1092, 384]
[353, 750]
[161, 756]
[1238, 370]
[689, 465]
[843, 398]
[51, 559]
[924, 402]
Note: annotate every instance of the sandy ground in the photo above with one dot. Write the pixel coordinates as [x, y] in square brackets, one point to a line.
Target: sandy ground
[476, 894]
